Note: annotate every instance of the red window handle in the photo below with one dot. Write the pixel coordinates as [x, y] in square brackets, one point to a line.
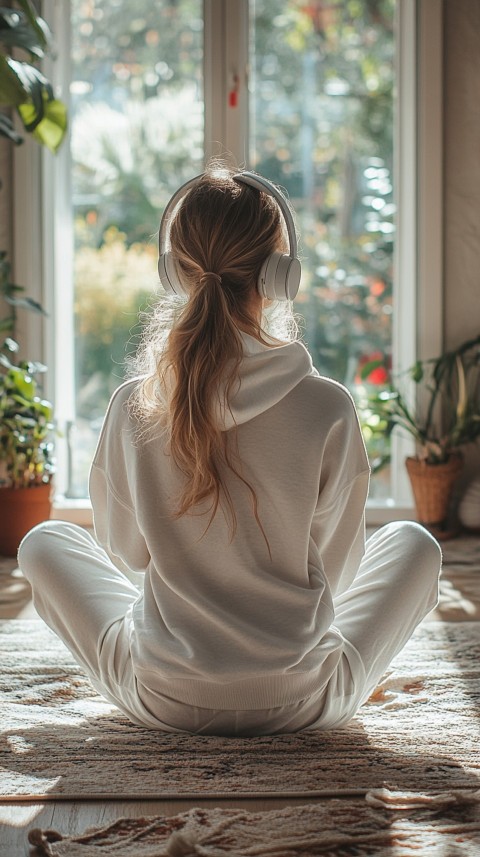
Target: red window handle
[233, 93]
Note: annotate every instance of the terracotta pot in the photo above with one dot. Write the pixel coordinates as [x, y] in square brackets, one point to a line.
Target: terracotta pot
[20, 510]
[432, 486]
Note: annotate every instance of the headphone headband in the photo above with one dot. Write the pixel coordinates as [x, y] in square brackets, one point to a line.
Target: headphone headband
[259, 183]
[279, 277]
[171, 205]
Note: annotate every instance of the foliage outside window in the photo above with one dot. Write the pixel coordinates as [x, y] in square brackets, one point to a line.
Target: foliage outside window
[322, 117]
[322, 92]
[137, 116]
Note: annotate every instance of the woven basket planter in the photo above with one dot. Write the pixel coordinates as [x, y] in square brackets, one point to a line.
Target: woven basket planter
[432, 486]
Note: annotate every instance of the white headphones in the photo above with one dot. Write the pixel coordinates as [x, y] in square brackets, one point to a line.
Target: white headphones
[279, 276]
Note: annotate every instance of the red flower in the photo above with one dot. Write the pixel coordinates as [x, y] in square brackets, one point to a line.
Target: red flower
[378, 376]
[377, 362]
[377, 288]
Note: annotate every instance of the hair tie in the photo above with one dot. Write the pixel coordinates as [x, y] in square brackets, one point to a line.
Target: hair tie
[212, 276]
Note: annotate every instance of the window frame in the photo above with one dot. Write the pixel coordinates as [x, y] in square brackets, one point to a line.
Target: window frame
[42, 217]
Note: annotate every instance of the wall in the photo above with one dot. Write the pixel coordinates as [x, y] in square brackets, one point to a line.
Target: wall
[6, 195]
[462, 170]
[6, 191]
[6, 208]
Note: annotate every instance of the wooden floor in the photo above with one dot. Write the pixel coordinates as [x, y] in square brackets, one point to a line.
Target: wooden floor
[73, 817]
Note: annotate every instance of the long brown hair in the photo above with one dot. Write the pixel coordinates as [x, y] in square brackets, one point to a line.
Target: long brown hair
[220, 235]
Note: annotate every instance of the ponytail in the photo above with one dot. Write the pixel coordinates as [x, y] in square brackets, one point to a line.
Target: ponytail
[202, 344]
[204, 341]
[220, 236]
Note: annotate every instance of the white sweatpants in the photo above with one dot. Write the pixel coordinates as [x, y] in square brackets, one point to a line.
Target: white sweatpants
[84, 598]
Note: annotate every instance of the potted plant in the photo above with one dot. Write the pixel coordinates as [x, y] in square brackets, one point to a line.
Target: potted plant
[26, 465]
[444, 417]
[25, 429]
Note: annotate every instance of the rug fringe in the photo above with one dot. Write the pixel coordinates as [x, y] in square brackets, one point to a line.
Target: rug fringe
[395, 800]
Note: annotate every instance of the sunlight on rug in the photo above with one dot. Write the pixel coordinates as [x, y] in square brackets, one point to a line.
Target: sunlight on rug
[460, 580]
[59, 739]
[446, 824]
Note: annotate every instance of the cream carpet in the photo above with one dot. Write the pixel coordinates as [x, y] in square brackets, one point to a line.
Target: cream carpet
[383, 824]
[59, 739]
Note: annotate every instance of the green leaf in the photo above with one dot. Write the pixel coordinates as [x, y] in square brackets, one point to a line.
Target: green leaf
[38, 24]
[22, 85]
[11, 345]
[7, 130]
[17, 31]
[12, 91]
[42, 406]
[462, 400]
[25, 385]
[4, 361]
[33, 367]
[416, 372]
[27, 404]
[367, 368]
[441, 365]
[38, 91]
[51, 130]
[26, 303]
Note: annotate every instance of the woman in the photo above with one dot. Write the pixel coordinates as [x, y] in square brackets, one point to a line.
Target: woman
[233, 479]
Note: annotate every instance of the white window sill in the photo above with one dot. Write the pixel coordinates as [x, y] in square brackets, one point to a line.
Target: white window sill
[75, 511]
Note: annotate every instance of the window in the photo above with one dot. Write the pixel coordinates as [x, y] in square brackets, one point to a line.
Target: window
[322, 122]
[146, 89]
[136, 106]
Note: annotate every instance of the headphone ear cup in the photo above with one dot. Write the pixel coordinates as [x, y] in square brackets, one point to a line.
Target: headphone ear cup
[168, 273]
[279, 277]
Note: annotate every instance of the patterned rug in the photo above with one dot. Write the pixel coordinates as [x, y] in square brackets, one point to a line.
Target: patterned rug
[59, 739]
[383, 824]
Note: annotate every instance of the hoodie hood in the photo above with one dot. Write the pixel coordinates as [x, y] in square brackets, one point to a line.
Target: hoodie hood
[266, 375]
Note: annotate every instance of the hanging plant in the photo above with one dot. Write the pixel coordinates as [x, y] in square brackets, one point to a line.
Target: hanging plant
[22, 85]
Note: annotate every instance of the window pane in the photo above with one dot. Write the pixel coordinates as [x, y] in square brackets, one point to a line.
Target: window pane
[137, 134]
[321, 119]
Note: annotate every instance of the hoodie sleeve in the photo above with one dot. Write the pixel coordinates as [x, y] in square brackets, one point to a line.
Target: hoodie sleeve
[338, 527]
[115, 522]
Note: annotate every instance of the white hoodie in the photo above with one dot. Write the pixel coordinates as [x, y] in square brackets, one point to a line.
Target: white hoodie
[219, 623]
